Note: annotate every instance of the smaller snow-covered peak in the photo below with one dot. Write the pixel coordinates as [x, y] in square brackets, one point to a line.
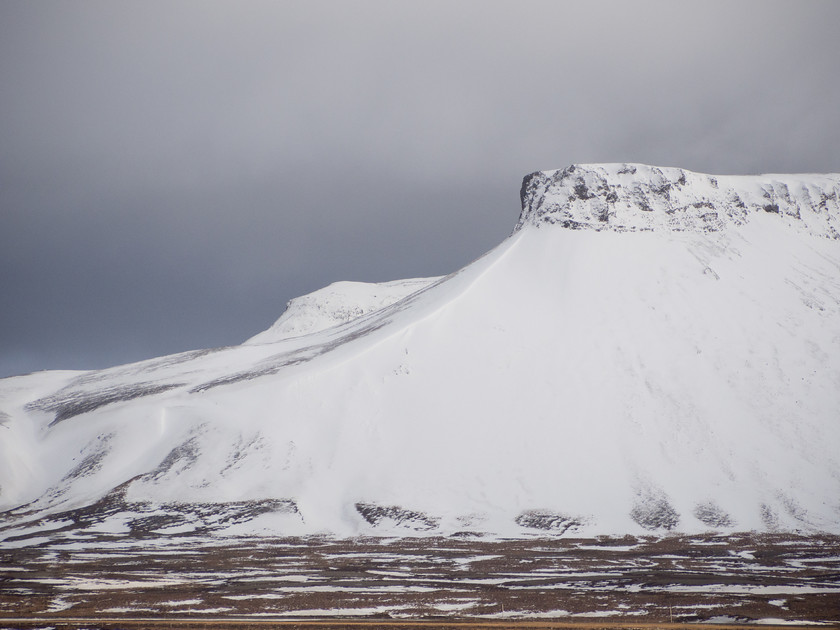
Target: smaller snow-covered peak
[633, 197]
[336, 304]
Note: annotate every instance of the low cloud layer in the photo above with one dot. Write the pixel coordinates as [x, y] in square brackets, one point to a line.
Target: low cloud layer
[171, 173]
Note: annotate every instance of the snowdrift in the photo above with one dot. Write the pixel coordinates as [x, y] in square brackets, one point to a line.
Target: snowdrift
[651, 350]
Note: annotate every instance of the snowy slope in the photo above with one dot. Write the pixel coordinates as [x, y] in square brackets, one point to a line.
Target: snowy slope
[651, 350]
[339, 303]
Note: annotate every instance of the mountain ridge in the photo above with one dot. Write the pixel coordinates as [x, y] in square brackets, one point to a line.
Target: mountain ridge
[630, 197]
[570, 381]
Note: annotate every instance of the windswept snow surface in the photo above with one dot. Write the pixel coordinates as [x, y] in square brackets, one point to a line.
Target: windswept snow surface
[651, 350]
[339, 303]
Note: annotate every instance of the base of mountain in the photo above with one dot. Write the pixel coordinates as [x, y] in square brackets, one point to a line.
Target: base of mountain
[776, 579]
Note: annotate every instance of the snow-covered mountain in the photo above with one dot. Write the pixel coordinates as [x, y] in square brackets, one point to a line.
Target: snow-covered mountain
[651, 349]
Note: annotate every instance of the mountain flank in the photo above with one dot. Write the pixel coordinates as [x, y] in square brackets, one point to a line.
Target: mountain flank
[651, 351]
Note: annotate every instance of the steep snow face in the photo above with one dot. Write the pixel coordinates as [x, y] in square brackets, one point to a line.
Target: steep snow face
[633, 376]
[337, 304]
[629, 197]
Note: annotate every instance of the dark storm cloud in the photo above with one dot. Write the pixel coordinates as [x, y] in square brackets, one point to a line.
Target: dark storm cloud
[172, 172]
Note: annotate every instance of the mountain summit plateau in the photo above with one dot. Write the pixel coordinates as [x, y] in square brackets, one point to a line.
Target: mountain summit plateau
[651, 350]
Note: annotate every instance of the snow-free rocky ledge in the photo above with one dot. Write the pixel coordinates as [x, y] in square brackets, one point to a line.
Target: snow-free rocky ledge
[651, 350]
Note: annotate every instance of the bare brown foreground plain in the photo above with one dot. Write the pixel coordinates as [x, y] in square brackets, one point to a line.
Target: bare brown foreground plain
[707, 581]
[337, 624]
[225, 623]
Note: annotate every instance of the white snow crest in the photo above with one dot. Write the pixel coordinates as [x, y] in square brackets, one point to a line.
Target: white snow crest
[336, 304]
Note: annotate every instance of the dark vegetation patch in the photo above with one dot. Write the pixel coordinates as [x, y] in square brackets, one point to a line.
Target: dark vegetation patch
[794, 509]
[549, 521]
[74, 403]
[653, 511]
[377, 514]
[242, 449]
[144, 519]
[769, 517]
[203, 518]
[711, 514]
[179, 458]
[92, 462]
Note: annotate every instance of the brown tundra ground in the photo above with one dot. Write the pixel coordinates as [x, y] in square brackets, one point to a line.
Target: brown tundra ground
[107, 581]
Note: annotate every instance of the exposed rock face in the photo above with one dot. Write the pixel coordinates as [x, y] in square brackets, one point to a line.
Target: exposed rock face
[634, 197]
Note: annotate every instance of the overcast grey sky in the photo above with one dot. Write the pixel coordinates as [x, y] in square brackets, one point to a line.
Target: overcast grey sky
[172, 172]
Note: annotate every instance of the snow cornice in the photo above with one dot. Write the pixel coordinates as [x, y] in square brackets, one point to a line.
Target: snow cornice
[638, 197]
